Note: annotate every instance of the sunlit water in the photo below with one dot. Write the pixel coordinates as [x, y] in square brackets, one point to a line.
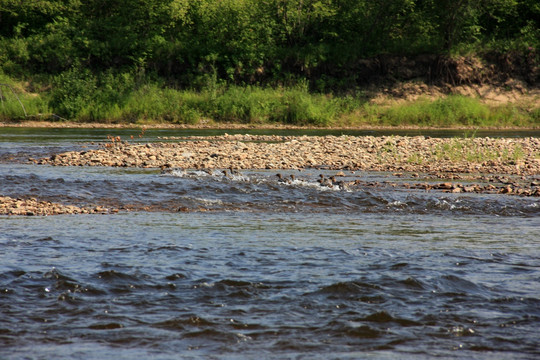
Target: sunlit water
[249, 267]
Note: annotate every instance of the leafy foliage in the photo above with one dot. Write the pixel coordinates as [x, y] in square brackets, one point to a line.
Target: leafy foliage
[96, 52]
[248, 41]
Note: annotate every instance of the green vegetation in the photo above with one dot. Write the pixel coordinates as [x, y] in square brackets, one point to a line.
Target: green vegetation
[468, 149]
[252, 61]
[454, 110]
[14, 102]
[117, 99]
[149, 102]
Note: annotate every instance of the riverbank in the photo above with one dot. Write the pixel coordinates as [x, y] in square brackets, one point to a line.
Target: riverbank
[210, 125]
[368, 153]
[34, 207]
[506, 166]
[483, 165]
[402, 104]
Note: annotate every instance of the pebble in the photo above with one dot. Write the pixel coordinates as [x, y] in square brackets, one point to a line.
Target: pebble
[491, 160]
[369, 153]
[33, 207]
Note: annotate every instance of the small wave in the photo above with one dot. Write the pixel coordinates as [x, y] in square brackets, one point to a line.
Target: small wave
[349, 288]
[175, 276]
[120, 283]
[237, 177]
[397, 203]
[181, 173]
[413, 284]
[12, 274]
[105, 326]
[111, 275]
[384, 317]
[213, 335]
[353, 329]
[311, 185]
[456, 285]
[212, 173]
[184, 322]
[232, 288]
[399, 266]
[206, 201]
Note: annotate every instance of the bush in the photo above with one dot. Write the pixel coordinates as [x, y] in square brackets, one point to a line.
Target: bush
[72, 92]
[299, 107]
[535, 116]
[450, 111]
[152, 103]
[260, 105]
[244, 104]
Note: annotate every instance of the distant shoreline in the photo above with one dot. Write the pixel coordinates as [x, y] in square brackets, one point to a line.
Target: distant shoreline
[238, 126]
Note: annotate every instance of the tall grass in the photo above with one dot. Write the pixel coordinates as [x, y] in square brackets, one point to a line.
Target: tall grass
[451, 111]
[459, 149]
[11, 92]
[232, 104]
[152, 103]
[81, 96]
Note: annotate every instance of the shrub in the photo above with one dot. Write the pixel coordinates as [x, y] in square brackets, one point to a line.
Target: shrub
[72, 92]
[449, 111]
[298, 106]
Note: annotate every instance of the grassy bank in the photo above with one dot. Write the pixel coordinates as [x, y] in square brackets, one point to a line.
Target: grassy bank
[449, 111]
[124, 99]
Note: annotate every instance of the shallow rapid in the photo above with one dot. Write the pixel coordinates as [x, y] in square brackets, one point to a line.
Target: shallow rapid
[250, 265]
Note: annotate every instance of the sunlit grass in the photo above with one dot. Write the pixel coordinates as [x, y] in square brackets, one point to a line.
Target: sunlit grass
[16, 102]
[123, 98]
[451, 111]
[467, 149]
[229, 105]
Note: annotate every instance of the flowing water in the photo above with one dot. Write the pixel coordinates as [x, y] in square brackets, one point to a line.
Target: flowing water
[246, 266]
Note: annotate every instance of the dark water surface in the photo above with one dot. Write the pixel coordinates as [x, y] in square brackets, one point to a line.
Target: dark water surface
[247, 267]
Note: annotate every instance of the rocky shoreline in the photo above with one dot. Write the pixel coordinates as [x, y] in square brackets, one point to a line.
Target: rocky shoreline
[484, 165]
[520, 156]
[454, 165]
[34, 207]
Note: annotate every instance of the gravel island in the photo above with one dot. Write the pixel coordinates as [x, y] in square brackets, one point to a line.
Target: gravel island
[519, 156]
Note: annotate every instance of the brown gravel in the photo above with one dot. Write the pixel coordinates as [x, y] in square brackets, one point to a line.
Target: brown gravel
[390, 153]
[33, 207]
[501, 165]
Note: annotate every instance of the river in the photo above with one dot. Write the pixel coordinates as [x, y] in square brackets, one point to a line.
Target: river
[213, 266]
